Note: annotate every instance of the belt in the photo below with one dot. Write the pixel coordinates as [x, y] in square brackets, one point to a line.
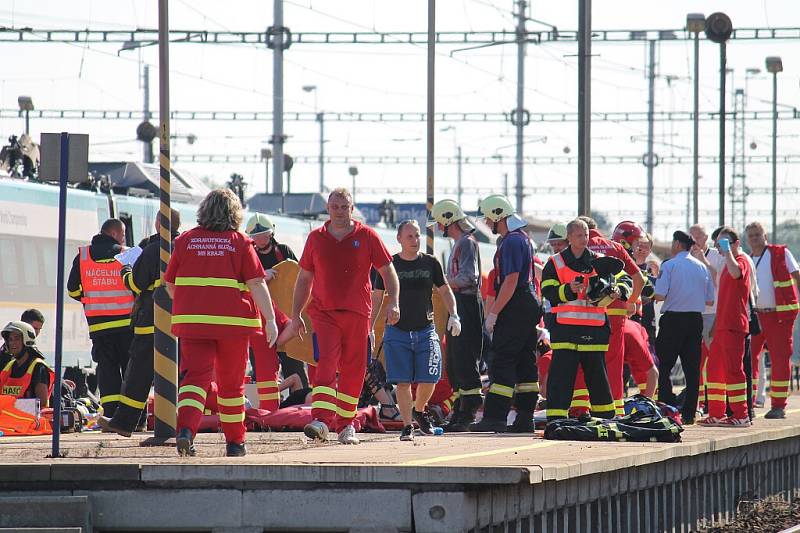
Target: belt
[765, 310]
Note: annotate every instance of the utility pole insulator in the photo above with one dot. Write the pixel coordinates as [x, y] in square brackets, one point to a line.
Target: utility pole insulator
[284, 31]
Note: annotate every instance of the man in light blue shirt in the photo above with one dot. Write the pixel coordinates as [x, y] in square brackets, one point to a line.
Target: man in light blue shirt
[686, 287]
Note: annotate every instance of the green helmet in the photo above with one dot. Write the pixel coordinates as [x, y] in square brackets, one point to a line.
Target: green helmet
[558, 232]
[497, 207]
[24, 329]
[258, 224]
[446, 212]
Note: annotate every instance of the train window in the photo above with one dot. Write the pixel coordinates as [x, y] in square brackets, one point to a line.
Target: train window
[8, 262]
[127, 219]
[31, 262]
[50, 262]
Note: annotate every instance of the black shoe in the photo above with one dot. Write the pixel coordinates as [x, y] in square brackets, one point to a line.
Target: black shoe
[184, 442]
[775, 413]
[108, 427]
[489, 425]
[408, 433]
[522, 424]
[423, 421]
[235, 449]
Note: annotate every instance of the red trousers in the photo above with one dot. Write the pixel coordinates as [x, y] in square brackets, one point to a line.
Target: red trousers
[725, 374]
[342, 338]
[226, 359]
[543, 365]
[267, 366]
[637, 353]
[776, 333]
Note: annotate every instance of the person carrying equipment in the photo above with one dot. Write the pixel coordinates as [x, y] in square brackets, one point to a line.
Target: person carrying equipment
[26, 375]
[264, 360]
[463, 275]
[142, 279]
[579, 336]
[511, 322]
[412, 348]
[214, 278]
[95, 281]
[334, 274]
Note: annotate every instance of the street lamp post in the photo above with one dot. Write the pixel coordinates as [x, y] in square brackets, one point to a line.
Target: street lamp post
[774, 65]
[26, 104]
[695, 23]
[320, 117]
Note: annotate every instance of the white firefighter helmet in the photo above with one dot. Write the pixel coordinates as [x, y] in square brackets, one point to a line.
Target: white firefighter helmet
[447, 212]
[24, 329]
[497, 207]
[259, 223]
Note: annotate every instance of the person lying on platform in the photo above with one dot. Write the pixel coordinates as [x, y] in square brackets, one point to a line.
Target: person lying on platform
[26, 375]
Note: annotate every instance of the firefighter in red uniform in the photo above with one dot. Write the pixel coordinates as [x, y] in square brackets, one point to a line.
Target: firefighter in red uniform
[580, 331]
[26, 375]
[777, 273]
[334, 273]
[95, 281]
[618, 311]
[211, 268]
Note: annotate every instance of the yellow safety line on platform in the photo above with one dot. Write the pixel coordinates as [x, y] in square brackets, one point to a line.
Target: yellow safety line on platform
[446, 458]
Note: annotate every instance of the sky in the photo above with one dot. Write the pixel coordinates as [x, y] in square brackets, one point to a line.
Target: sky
[392, 78]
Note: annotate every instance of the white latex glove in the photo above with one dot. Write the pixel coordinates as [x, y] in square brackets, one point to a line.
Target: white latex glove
[489, 323]
[543, 334]
[372, 339]
[454, 325]
[270, 274]
[271, 329]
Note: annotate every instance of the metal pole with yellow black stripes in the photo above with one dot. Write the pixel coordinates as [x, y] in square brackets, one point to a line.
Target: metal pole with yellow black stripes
[165, 362]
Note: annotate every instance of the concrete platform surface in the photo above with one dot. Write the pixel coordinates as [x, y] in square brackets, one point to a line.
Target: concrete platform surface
[467, 458]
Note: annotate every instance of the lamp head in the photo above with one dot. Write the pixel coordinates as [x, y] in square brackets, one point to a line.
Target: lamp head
[25, 103]
[718, 27]
[774, 64]
[695, 22]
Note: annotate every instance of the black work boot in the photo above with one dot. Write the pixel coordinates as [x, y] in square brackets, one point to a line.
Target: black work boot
[235, 449]
[489, 425]
[184, 442]
[108, 426]
[466, 415]
[523, 423]
[423, 421]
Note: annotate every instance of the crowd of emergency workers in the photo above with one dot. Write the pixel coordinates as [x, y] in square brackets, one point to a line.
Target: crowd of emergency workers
[564, 336]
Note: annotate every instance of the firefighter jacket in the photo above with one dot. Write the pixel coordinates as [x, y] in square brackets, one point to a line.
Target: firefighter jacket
[785, 295]
[142, 278]
[581, 327]
[601, 245]
[98, 265]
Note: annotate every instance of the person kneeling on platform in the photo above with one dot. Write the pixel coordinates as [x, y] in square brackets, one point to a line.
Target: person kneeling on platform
[581, 329]
[511, 322]
[26, 375]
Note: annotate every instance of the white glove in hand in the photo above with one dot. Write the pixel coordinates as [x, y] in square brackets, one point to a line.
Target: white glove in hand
[454, 325]
[372, 339]
[271, 329]
[489, 323]
[270, 274]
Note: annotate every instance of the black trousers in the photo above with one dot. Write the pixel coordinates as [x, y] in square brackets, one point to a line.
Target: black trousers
[561, 382]
[136, 387]
[513, 366]
[464, 351]
[680, 335]
[110, 352]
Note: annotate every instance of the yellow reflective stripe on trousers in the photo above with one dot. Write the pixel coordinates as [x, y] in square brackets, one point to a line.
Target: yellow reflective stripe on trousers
[192, 388]
[776, 383]
[556, 412]
[319, 389]
[740, 398]
[191, 402]
[231, 419]
[717, 397]
[788, 307]
[580, 403]
[269, 396]
[501, 390]
[720, 386]
[209, 282]
[344, 413]
[217, 320]
[231, 402]
[144, 330]
[579, 347]
[776, 394]
[346, 398]
[602, 408]
[264, 384]
[328, 406]
[469, 392]
[527, 387]
[125, 322]
[580, 392]
[109, 398]
[737, 386]
[131, 402]
[788, 283]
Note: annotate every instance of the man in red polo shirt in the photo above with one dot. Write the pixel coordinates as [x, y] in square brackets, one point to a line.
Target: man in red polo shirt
[334, 273]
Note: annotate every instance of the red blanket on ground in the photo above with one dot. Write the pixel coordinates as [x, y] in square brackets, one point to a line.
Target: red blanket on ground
[292, 419]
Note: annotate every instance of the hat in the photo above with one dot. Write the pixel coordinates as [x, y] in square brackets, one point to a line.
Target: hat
[683, 237]
[558, 232]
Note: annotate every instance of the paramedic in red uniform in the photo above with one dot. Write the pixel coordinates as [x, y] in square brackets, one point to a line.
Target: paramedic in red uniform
[777, 274]
[211, 268]
[726, 377]
[618, 311]
[334, 273]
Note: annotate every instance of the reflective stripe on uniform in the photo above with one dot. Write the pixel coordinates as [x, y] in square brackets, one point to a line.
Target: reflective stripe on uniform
[469, 392]
[616, 312]
[550, 283]
[109, 398]
[579, 347]
[265, 384]
[788, 283]
[77, 292]
[193, 389]
[106, 294]
[217, 320]
[347, 413]
[269, 396]
[602, 408]
[231, 419]
[107, 307]
[191, 402]
[346, 398]
[231, 402]
[501, 390]
[321, 389]
[776, 383]
[125, 322]
[328, 406]
[144, 330]
[209, 282]
[131, 402]
[556, 412]
[527, 387]
[788, 307]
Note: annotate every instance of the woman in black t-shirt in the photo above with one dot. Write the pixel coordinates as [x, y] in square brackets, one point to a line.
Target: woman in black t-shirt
[413, 352]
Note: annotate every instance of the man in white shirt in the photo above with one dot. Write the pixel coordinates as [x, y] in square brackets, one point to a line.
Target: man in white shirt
[777, 274]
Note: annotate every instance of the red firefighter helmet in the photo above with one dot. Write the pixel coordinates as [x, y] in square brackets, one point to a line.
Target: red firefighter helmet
[627, 233]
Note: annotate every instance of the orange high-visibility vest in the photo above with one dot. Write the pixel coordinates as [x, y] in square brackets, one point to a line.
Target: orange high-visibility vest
[576, 312]
[104, 292]
[17, 387]
[14, 422]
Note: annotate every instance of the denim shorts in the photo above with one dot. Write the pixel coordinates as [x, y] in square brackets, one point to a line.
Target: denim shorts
[412, 356]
